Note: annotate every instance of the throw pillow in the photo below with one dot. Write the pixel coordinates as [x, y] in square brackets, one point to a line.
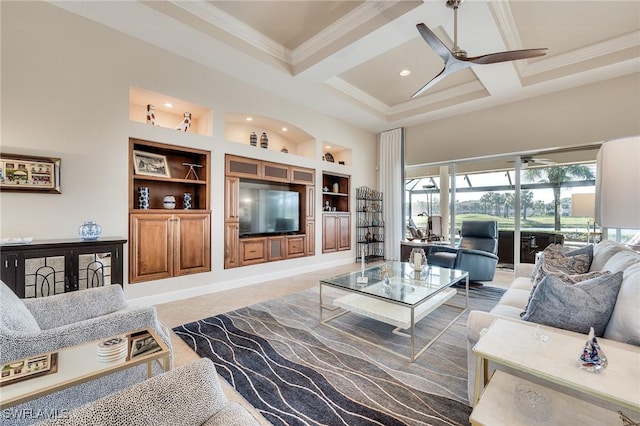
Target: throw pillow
[575, 307]
[555, 260]
[568, 279]
[624, 324]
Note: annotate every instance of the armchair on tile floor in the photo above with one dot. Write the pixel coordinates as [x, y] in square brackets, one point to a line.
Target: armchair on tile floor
[476, 252]
[189, 395]
[33, 326]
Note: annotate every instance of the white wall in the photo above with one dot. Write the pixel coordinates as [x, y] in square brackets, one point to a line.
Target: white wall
[573, 117]
[65, 93]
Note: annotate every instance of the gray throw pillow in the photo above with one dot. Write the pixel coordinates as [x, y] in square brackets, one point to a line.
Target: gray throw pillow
[557, 260]
[575, 307]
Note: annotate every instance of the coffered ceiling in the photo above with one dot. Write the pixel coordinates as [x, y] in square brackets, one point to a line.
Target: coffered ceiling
[344, 58]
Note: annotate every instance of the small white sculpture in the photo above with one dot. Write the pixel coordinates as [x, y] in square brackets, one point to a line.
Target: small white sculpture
[151, 114]
[186, 122]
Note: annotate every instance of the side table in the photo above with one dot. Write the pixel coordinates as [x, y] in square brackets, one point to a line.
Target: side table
[508, 400]
[79, 364]
[514, 344]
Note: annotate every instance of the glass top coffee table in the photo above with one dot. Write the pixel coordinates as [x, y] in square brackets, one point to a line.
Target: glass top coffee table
[402, 300]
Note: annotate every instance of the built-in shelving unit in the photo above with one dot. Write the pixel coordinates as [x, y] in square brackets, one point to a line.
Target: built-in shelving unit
[334, 153]
[369, 224]
[169, 111]
[336, 216]
[241, 250]
[293, 140]
[167, 242]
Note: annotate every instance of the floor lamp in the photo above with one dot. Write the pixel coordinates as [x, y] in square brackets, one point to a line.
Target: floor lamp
[584, 205]
[618, 184]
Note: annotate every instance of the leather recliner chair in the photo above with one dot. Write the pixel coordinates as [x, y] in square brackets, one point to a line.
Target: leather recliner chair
[476, 252]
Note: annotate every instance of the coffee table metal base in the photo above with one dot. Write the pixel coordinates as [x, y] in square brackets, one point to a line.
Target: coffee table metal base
[403, 317]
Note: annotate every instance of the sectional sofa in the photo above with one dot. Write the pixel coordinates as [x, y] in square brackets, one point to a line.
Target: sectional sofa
[622, 328]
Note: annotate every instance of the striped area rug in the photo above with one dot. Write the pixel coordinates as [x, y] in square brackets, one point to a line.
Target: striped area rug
[296, 371]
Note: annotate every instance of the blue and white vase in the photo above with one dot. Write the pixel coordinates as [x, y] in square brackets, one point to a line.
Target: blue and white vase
[143, 197]
[264, 141]
[186, 201]
[169, 202]
[90, 231]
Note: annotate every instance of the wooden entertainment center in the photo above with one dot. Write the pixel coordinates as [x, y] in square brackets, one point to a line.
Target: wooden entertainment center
[259, 249]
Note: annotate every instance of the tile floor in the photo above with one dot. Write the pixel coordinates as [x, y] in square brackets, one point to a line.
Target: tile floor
[187, 310]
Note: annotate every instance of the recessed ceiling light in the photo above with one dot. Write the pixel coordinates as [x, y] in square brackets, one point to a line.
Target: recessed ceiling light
[405, 73]
[249, 119]
[168, 104]
[284, 129]
[327, 147]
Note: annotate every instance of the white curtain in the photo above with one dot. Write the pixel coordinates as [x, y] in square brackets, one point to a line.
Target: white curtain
[391, 155]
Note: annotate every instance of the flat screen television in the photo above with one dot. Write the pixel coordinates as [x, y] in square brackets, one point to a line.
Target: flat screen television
[268, 209]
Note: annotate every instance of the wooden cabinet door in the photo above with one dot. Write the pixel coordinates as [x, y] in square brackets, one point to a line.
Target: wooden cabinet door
[310, 238]
[231, 198]
[303, 176]
[253, 250]
[344, 231]
[310, 202]
[275, 172]
[231, 237]
[192, 242]
[151, 250]
[276, 249]
[243, 167]
[295, 246]
[329, 233]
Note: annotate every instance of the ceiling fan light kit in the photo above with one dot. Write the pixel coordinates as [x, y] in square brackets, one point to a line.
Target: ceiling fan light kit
[456, 59]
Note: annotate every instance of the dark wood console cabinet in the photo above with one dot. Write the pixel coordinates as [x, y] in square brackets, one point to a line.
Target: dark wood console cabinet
[49, 267]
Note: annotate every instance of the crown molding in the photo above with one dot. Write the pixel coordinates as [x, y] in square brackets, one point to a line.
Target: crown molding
[214, 16]
[584, 54]
[357, 94]
[340, 28]
[441, 96]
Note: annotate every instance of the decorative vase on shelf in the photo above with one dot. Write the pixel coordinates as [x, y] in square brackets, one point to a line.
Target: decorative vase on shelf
[143, 197]
[169, 202]
[284, 149]
[186, 201]
[264, 141]
[90, 231]
[253, 139]
[336, 187]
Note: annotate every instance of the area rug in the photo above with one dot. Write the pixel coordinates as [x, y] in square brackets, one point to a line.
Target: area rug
[296, 371]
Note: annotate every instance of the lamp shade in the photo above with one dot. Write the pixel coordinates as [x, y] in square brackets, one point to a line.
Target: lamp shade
[618, 184]
[583, 205]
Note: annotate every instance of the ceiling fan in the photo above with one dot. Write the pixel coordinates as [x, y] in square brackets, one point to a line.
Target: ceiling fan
[456, 59]
[527, 161]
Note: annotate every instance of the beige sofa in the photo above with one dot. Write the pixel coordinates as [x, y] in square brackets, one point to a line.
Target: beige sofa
[623, 327]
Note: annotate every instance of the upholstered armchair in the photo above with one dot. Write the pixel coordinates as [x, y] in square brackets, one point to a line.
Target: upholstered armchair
[33, 326]
[190, 395]
[476, 252]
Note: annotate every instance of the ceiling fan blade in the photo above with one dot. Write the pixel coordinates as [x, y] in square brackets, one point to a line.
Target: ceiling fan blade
[511, 55]
[434, 42]
[445, 71]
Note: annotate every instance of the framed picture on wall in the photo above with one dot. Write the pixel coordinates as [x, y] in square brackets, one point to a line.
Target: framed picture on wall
[27, 173]
[148, 164]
